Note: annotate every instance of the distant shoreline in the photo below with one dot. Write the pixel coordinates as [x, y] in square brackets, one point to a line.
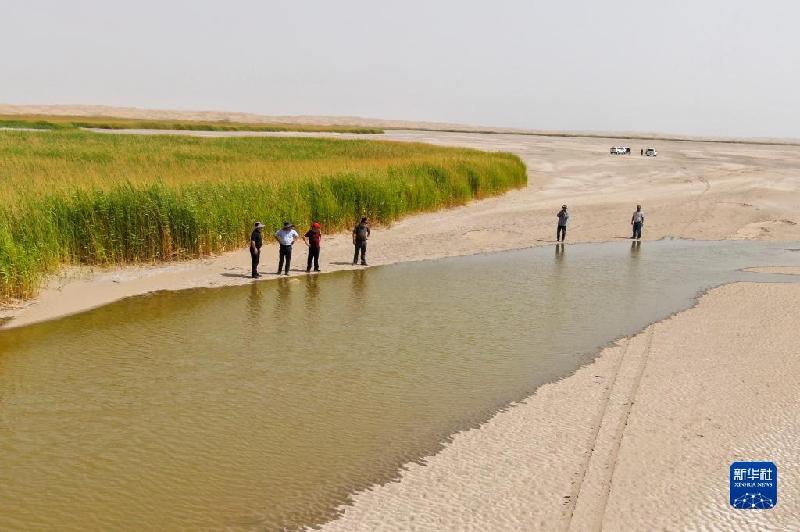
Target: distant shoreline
[133, 113]
[621, 136]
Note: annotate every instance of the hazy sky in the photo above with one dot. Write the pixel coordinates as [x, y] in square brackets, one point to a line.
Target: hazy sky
[699, 67]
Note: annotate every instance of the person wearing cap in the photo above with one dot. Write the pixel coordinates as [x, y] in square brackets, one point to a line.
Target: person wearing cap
[360, 236]
[313, 239]
[285, 237]
[255, 248]
[561, 230]
[637, 221]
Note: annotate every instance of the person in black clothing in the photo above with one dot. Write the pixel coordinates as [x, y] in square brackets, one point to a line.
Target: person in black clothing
[360, 237]
[313, 239]
[255, 248]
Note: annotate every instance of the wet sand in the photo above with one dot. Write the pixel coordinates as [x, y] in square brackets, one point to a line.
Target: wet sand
[612, 445]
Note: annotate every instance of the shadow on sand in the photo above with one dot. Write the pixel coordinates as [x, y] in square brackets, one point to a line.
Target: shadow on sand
[237, 275]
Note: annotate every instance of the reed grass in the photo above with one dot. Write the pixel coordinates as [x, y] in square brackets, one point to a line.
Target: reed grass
[72, 197]
[77, 122]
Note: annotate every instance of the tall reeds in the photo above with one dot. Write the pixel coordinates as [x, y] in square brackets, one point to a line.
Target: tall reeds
[149, 209]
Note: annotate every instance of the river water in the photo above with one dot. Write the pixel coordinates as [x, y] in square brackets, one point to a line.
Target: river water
[265, 406]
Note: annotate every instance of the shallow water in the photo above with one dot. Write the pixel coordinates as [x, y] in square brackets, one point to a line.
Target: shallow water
[264, 406]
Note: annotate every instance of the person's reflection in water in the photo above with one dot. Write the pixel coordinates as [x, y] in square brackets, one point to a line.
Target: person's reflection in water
[559, 253]
[254, 303]
[312, 295]
[282, 297]
[359, 283]
[357, 299]
[635, 267]
[554, 314]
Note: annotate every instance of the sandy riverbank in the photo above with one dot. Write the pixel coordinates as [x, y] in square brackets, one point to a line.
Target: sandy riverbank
[692, 190]
[641, 439]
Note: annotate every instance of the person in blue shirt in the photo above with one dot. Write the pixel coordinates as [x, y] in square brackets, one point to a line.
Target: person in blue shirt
[561, 230]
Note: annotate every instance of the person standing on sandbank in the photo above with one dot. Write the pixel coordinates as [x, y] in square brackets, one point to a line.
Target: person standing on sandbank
[255, 248]
[637, 221]
[361, 234]
[561, 230]
[286, 238]
[313, 239]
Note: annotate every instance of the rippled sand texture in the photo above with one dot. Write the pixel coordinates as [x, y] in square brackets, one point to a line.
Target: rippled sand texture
[641, 439]
[720, 385]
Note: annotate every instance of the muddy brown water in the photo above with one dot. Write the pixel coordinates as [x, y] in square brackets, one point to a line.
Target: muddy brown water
[266, 406]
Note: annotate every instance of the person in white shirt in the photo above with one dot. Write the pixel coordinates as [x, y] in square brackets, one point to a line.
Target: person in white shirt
[637, 221]
[285, 238]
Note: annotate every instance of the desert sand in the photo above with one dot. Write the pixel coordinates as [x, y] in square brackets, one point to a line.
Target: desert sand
[613, 445]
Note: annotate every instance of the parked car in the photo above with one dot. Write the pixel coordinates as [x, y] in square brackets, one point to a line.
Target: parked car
[620, 150]
[650, 152]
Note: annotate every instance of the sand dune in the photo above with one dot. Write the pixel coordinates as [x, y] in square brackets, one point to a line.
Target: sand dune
[232, 116]
[228, 116]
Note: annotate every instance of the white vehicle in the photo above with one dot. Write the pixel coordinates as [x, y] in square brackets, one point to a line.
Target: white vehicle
[620, 150]
[650, 152]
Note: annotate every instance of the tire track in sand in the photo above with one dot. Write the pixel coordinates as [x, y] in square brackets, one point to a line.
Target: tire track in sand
[589, 504]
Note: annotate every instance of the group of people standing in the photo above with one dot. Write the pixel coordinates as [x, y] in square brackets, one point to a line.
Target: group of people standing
[287, 236]
[637, 221]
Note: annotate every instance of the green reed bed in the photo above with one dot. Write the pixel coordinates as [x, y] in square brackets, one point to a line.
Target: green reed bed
[72, 197]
